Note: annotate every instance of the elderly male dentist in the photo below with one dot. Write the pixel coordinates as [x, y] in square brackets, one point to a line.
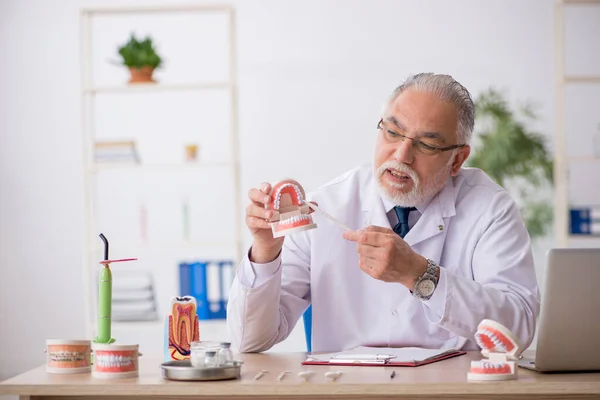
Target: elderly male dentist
[434, 249]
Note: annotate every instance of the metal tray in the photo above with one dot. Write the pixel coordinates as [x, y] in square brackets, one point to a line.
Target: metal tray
[182, 370]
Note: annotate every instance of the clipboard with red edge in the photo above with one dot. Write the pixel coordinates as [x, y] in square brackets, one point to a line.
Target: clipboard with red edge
[390, 363]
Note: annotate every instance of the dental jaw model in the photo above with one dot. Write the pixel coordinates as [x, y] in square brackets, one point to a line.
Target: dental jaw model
[110, 360]
[182, 328]
[290, 211]
[501, 348]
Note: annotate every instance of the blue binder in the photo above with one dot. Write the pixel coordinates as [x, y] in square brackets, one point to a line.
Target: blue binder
[585, 221]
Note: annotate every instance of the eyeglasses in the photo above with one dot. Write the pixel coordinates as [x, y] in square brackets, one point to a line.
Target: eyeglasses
[424, 146]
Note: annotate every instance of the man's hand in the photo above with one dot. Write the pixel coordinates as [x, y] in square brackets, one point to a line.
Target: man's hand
[386, 256]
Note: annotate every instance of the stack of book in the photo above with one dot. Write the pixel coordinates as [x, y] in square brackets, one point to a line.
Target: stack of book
[133, 297]
[116, 151]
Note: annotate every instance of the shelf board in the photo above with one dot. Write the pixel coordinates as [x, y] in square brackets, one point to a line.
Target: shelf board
[583, 159]
[155, 8]
[157, 324]
[108, 166]
[582, 79]
[161, 244]
[156, 87]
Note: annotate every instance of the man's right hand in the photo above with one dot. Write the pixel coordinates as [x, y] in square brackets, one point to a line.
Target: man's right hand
[265, 247]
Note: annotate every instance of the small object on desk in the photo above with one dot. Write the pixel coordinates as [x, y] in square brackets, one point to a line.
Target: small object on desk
[305, 375]
[501, 347]
[334, 376]
[183, 370]
[282, 375]
[291, 212]
[260, 374]
[393, 375]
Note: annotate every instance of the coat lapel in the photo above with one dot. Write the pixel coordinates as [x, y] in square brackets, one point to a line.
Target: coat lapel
[433, 222]
[436, 216]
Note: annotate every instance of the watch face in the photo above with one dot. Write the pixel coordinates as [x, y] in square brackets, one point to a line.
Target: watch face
[426, 287]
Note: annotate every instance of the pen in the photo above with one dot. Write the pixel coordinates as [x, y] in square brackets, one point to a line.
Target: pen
[340, 224]
[364, 357]
[354, 361]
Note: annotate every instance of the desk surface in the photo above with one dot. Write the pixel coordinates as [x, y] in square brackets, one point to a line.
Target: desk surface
[444, 379]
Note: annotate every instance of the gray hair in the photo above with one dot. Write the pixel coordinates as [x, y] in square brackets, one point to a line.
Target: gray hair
[447, 89]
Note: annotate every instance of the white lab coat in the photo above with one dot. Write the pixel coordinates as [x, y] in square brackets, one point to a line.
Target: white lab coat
[472, 229]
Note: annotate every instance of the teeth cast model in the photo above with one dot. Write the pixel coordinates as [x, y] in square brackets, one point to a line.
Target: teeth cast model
[68, 356]
[115, 360]
[183, 327]
[502, 349]
[290, 213]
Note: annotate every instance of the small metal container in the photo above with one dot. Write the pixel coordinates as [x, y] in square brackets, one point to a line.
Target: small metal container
[182, 370]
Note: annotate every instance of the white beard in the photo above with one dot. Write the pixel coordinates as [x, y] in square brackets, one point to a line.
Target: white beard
[419, 192]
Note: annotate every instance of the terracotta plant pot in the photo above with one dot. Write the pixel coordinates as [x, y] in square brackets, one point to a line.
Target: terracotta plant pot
[141, 75]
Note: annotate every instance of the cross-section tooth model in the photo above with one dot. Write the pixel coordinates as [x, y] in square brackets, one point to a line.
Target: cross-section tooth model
[182, 328]
[502, 349]
[291, 213]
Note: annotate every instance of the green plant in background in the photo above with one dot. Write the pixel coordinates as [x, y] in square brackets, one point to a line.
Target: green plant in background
[514, 156]
[139, 54]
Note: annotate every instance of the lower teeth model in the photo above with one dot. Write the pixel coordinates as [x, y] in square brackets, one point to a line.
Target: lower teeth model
[502, 349]
[183, 327]
[115, 360]
[290, 212]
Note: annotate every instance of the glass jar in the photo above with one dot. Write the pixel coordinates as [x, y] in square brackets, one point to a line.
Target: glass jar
[210, 359]
[225, 354]
[198, 352]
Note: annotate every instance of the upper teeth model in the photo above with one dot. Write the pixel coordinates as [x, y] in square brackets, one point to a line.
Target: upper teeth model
[501, 347]
[290, 212]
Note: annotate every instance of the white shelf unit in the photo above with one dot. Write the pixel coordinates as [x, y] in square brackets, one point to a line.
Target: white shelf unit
[89, 93]
[562, 160]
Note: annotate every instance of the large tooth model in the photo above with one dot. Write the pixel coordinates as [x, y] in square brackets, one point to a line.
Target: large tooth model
[182, 328]
[290, 212]
[501, 347]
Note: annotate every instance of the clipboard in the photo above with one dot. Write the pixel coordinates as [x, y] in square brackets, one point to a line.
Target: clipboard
[387, 362]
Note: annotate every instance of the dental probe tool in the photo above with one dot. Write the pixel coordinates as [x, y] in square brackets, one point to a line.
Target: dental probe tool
[340, 224]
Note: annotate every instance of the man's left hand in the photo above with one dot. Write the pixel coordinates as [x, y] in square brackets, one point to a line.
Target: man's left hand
[386, 256]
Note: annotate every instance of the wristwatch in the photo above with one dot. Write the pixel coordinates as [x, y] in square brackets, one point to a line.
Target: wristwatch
[425, 284]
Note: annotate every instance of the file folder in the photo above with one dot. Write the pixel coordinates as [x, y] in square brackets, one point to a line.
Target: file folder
[376, 357]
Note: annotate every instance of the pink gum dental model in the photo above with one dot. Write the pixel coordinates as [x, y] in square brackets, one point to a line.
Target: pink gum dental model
[502, 349]
[290, 212]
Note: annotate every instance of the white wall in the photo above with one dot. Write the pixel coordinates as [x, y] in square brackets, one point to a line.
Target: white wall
[312, 75]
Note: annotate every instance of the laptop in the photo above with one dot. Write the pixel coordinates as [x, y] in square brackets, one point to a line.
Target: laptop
[569, 323]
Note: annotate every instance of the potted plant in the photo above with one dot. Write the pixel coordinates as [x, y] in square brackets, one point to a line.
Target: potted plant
[141, 58]
[514, 156]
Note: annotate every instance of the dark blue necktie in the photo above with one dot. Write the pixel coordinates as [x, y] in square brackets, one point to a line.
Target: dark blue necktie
[401, 227]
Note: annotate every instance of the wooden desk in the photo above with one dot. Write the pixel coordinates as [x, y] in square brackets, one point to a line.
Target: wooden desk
[445, 379]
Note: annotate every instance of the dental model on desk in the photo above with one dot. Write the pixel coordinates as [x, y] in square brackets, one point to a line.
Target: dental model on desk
[181, 328]
[501, 348]
[291, 213]
[111, 360]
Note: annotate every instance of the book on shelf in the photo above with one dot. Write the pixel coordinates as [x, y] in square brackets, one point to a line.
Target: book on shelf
[116, 151]
[585, 221]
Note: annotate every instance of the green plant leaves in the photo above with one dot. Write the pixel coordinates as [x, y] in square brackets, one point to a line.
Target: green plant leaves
[509, 152]
[138, 54]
